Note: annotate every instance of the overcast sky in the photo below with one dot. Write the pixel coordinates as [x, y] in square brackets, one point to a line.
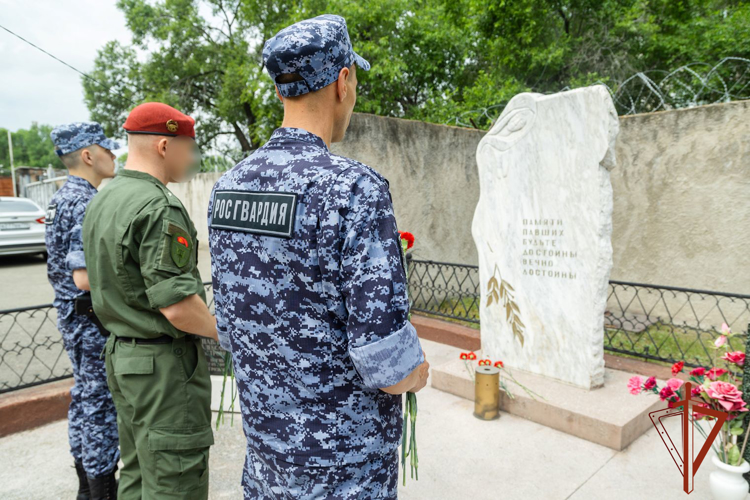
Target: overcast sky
[35, 87]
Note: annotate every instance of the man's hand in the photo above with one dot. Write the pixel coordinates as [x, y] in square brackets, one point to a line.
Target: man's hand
[191, 315]
[414, 382]
[81, 279]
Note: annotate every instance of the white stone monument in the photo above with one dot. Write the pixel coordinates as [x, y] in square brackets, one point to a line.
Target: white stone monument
[542, 228]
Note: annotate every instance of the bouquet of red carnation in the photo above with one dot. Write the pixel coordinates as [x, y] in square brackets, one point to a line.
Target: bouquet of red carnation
[718, 388]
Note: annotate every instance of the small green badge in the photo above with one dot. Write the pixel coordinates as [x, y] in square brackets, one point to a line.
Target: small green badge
[181, 248]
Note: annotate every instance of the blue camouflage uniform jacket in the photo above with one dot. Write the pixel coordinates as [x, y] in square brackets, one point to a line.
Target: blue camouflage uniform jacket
[311, 300]
[64, 240]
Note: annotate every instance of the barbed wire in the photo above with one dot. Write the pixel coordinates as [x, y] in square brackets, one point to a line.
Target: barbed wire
[694, 84]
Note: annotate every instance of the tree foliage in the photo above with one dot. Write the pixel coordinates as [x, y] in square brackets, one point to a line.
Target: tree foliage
[31, 148]
[431, 59]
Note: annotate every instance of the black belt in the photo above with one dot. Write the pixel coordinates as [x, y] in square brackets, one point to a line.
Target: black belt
[164, 339]
[83, 306]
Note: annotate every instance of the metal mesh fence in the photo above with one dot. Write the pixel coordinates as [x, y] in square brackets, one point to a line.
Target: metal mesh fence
[659, 323]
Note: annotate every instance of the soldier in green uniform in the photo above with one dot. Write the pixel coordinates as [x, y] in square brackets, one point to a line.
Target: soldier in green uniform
[141, 254]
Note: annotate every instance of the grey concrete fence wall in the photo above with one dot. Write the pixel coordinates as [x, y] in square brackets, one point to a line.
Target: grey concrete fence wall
[681, 192]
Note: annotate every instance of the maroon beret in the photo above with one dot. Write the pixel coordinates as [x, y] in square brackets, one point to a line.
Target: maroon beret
[159, 119]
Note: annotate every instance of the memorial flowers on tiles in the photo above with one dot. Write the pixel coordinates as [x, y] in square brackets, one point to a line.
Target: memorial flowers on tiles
[469, 358]
[717, 387]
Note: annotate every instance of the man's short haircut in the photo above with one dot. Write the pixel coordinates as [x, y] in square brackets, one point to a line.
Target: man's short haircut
[72, 159]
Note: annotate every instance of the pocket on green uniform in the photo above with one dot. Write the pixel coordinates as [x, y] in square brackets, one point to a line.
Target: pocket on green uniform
[180, 457]
[137, 365]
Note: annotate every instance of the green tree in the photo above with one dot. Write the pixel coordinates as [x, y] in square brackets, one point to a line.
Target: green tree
[31, 148]
[432, 60]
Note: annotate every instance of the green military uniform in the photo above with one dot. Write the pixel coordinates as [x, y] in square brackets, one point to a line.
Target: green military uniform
[141, 255]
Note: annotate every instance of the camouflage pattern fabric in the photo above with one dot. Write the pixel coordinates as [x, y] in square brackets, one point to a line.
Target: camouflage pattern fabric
[92, 419]
[316, 322]
[74, 136]
[315, 49]
[271, 479]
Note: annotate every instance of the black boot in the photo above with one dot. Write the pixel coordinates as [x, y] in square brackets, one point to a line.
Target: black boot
[105, 487]
[84, 493]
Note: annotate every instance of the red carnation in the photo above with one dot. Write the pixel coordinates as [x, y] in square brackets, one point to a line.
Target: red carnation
[405, 235]
[472, 356]
[650, 383]
[677, 367]
[666, 393]
[485, 362]
[715, 373]
[499, 364]
[698, 372]
[464, 355]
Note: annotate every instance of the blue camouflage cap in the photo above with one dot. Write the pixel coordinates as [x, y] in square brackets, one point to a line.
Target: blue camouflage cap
[316, 49]
[74, 136]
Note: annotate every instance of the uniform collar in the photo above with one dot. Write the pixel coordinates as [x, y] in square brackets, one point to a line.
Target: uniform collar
[80, 181]
[137, 174]
[291, 134]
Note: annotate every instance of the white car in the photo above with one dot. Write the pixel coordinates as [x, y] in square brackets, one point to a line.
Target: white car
[21, 227]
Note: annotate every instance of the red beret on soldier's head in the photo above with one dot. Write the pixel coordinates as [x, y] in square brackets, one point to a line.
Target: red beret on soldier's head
[159, 119]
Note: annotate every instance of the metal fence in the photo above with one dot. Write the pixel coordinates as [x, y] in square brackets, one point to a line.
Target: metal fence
[659, 323]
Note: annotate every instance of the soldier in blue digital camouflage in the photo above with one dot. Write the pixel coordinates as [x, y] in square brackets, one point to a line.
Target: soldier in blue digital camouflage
[310, 288]
[92, 420]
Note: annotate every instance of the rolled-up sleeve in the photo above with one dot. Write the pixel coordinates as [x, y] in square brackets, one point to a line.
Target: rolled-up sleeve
[74, 259]
[383, 344]
[166, 283]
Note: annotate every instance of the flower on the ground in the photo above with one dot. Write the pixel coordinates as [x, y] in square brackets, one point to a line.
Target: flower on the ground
[715, 373]
[720, 341]
[485, 362]
[650, 383]
[464, 356]
[472, 356]
[405, 235]
[674, 383]
[499, 364]
[736, 357]
[677, 367]
[666, 393]
[634, 385]
[698, 372]
[727, 395]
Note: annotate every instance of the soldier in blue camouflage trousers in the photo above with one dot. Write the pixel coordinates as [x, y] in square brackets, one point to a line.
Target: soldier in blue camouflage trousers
[92, 420]
[310, 288]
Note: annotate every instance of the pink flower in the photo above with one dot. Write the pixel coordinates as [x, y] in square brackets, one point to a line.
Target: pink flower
[634, 385]
[715, 373]
[737, 357]
[720, 341]
[674, 383]
[650, 383]
[727, 395]
[698, 372]
[696, 391]
[677, 367]
[725, 329]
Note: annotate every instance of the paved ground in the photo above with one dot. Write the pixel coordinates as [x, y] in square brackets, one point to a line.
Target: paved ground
[460, 456]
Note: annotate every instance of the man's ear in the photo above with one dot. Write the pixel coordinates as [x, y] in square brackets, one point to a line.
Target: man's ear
[87, 157]
[161, 147]
[278, 94]
[341, 87]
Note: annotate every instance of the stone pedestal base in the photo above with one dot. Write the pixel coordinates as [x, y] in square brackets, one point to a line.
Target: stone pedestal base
[609, 415]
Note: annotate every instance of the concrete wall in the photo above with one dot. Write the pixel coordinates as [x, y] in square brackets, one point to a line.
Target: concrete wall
[681, 192]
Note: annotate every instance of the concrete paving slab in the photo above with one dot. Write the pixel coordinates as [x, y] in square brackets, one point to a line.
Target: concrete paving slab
[460, 456]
